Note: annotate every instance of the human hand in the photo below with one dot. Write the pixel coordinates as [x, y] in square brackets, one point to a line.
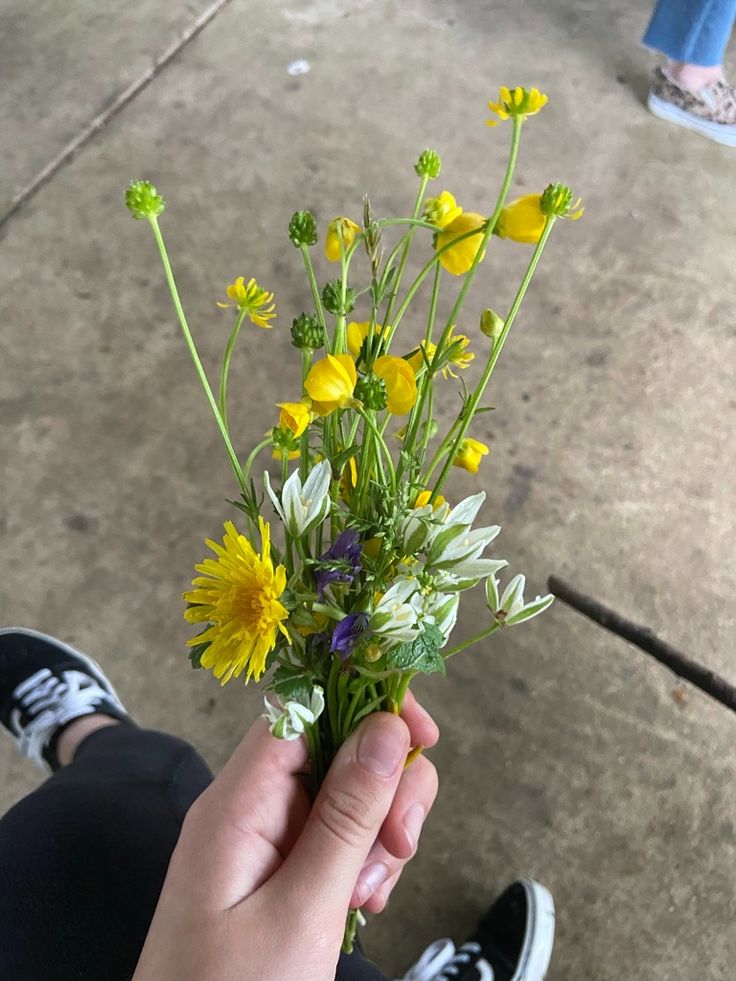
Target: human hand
[260, 881]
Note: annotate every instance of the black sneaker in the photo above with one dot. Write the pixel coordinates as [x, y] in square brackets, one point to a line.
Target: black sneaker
[513, 942]
[44, 685]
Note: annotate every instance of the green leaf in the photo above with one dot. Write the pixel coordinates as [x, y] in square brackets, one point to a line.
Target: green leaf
[339, 460]
[195, 653]
[421, 655]
[291, 682]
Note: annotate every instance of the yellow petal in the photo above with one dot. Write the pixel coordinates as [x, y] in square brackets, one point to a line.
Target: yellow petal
[459, 258]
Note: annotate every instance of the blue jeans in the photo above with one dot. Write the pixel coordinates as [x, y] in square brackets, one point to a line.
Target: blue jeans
[693, 31]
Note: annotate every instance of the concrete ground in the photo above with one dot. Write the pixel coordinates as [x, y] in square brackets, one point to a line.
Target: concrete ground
[564, 753]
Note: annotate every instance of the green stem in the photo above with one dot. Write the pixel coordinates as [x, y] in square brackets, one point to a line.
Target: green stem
[404, 255]
[316, 298]
[304, 447]
[252, 456]
[382, 445]
[491, 223]
[194, 353]
[472, 404]
[414, 222]
[226, 365]
[487, 231]
[473, 640]
[427, 379]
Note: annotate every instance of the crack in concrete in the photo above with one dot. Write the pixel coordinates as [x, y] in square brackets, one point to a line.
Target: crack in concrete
[116, 105]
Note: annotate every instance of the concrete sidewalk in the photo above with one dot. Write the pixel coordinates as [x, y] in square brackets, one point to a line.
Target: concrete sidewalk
[564, 754]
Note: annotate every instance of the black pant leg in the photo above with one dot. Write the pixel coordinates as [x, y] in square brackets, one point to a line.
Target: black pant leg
[83, 859]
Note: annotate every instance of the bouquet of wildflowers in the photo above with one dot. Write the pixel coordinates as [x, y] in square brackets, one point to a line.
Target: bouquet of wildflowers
[342, 578]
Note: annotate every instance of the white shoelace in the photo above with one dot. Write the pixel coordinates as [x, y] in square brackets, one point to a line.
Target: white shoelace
[441, 961]
[52, 702]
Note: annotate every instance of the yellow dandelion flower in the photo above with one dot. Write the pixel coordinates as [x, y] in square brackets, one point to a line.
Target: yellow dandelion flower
[516, 102]
[340, 236]
[294, 416]
[401, 385]
[331, 382]
[470, 454]
[238, 595]
[440, 211]
[251, 298]
[357, 333]
[459, 258]
[423, 499]
[522, 220]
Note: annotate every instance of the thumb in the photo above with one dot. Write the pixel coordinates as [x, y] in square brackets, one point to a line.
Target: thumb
[347, 815]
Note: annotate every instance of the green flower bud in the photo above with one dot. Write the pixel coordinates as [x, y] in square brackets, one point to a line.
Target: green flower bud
[372, 392]
[142, 200]
[306, 332]
[332, 298]
[557, 200]
[302, 229]
[284, 439]
[491, 324]
[429, 164]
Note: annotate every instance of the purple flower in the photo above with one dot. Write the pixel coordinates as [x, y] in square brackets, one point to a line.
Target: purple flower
[347, 633]
[341, 561]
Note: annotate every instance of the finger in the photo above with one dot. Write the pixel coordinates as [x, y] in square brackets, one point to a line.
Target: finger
[414, 797]
[346, 818]
[379, 867]
[380, 897]
[422, 727]
[238, 831]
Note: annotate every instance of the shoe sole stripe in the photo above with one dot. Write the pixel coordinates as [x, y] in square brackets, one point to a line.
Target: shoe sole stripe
[540, 933]
[722, 133]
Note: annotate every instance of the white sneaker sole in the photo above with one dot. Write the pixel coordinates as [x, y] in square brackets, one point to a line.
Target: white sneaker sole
[718, 132]
[540, 933]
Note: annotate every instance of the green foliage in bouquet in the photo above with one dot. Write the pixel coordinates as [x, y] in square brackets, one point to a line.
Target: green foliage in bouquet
[361, 592]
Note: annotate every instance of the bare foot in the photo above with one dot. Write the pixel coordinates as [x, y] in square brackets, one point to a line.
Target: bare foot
[693, 78]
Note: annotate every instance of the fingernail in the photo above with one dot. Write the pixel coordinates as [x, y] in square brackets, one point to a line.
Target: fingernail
[413, 821]
[369, 880]
[380, 750]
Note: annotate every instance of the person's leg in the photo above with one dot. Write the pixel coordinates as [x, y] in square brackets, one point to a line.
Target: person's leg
[692, 32]
[83, 858]
[690, 90]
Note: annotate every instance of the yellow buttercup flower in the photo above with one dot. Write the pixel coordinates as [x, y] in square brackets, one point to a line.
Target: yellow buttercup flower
[238, 595]
[251, 299]
[470, 454]
[348, 479]
[331, 382]
[459, 258]
[423, 499]
[401, 385]
[294, 416]
[458, 355]
[340, 236]
[278, 454]
[516, 102]
[357, 333]
[522, 220]
[440, 211]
